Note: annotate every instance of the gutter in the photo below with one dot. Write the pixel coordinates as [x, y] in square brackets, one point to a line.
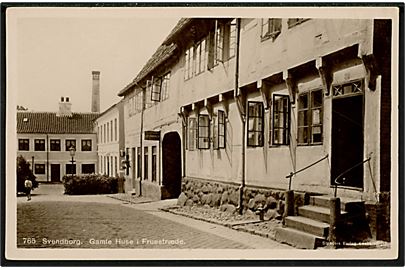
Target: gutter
[243, 153]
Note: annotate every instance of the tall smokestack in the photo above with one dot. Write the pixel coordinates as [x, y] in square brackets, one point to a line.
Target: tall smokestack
[95, 94]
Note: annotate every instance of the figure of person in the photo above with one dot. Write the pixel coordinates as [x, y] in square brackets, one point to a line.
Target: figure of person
[28, 187]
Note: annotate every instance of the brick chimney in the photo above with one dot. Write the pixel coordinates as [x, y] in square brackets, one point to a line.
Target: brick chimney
[95, 94]
[65, 107]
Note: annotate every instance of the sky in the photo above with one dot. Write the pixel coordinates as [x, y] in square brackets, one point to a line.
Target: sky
[57, 51]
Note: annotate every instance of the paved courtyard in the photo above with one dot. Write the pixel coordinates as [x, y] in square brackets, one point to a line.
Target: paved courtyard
[54, 220]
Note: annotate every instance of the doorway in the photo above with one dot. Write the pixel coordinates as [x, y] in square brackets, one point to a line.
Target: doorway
[55, 173]
[347, 141]
[171, 165]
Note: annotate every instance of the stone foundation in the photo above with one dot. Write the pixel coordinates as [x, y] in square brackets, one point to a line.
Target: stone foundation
[226, 196]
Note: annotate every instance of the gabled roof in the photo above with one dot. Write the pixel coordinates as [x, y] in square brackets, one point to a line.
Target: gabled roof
[164, 52]
[49, 122]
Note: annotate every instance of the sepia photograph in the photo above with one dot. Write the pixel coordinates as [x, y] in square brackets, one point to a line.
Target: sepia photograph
[202, 133]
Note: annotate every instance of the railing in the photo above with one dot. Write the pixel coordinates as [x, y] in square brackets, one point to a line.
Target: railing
[303, 169]
[335, 181]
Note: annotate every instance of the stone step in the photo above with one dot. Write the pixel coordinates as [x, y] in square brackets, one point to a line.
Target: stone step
[298, 239]
[346, 204]
[308, 225]
[316, 212]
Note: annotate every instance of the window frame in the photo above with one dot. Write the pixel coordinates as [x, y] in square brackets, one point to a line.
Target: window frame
[192, 134]
[39, 168]
[286, 125]
[208, 137]
[165, 86]
[156, 90]
[274, 27]
[82, 145]
[52, 144]
[37, 143]
[70, 141]
[146, 163]
[23, 142]
[221, 121]
[154, 163]
[292, 22]
[70, 165]
[261, 117]
[309, 115]
[88, 165]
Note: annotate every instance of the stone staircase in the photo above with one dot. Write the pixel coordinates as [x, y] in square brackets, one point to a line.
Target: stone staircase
[309, 229]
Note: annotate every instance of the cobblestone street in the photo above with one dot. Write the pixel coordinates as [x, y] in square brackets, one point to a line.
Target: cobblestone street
[54, 220]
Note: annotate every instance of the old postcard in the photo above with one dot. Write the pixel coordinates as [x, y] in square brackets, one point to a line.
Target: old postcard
[202, 133]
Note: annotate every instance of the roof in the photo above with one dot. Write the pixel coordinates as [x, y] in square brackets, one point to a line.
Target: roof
[49, 122]
[164, 52]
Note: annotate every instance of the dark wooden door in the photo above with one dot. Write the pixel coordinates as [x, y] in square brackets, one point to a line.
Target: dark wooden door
[171, 165]
[55, 172]
[347, 140]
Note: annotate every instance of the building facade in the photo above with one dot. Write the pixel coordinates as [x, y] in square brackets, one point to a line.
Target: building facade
[45, 139]
[264, 104]
[110, 140]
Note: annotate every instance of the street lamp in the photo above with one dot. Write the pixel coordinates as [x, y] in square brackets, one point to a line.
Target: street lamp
[72, 151]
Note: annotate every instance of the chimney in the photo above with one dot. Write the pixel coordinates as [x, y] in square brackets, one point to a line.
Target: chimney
[95, 94]
[65, 107]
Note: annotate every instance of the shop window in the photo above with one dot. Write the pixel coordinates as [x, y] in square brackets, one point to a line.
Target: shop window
[86, 145]
[154, 163]
[70, 143]
[192, 133]
[23, 144]
[39, 168]
[145, 163]
[271, 28]
[255, 124]
[39, 145]
[295, 21]
[55, 145]
[203, 133]
[88, 168]
[310, 114]
[280, 128]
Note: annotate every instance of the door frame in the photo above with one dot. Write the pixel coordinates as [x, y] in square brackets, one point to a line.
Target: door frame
[59, 172]
[345, 96]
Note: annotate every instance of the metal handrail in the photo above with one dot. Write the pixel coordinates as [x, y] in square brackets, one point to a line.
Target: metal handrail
[303, 169]
[335, 181]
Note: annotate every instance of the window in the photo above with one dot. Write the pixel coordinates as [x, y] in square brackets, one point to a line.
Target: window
[295, 21]
[270, 28]
[115, 129]
[111, 126]
[70, 143]
[70, 168]
[218, 134]
[145, 163]
[39, 168]
[221, 129]
[23, 144]
[108, 131]
[105, 136]
[352, 88]
[222, 43]
[310, 115]
[192, 133]
[154, 163]
[39, 144]
[156, 89]
[201, 56]
[101, 164]
[148, 93]
[127, 161]
[203, 133]
[139, 164]
[55, 145]
[86, 145]
[165, 86]
[189, 63]
[281, 120]
[88, 168]
[116, 166]
[255, 123]
[101, 134]
[219, 43]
